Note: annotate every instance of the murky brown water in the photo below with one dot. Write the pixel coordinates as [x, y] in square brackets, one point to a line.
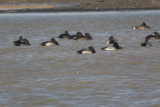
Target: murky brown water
[58, 77]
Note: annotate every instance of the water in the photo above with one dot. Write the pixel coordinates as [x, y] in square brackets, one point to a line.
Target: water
[58, 77]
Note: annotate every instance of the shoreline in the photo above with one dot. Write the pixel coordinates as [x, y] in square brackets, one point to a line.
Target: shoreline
[50, 10]
[78, 6]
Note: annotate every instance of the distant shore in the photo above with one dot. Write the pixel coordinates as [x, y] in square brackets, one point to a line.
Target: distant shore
[46, 10]
[78, 5]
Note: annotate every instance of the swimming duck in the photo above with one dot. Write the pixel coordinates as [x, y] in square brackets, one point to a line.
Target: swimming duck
[50, 43]
[112, 44]
[90, 50]
[146, 43]
[65, 35]
[155, 35]
[115, 46]
[78, 36]
[142, 26]
[112, 40]
[88, 36]
[21, 42]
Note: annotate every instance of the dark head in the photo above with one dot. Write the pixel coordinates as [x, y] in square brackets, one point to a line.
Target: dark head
[26, 42]
[144, 24]
[21, 38]
[66, 32]
[79, 34]
[111, 40]
[54, 41]
[88, 36]
[92, 49]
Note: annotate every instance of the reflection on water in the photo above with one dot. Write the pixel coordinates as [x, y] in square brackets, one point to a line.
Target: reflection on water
[57, 76]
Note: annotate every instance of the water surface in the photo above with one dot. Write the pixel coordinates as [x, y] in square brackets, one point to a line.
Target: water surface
[56, 76]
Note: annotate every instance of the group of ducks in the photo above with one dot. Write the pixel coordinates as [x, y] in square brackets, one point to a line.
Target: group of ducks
[77, 36]
[112, 43]
[24, 42]
[155, 35]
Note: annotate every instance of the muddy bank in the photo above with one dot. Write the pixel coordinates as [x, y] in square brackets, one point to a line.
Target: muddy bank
[75, 5]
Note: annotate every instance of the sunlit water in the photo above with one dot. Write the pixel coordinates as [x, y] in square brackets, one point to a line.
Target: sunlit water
[56, 76]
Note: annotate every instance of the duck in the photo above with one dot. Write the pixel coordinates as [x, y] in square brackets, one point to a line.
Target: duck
[112, 40]
[142, 26]
[80, 36]
[88, 36]
[155, 35]
[115, 46]
[50, 43]
[77, 36]
[21, 42]
[90, 50]
[64, 35]
[112, 44]
[146, 43]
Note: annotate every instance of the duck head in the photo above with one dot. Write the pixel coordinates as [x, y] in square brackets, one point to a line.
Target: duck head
[111, 40]
[144, 24]
[53, 40]
[88, 36]
[92, 49]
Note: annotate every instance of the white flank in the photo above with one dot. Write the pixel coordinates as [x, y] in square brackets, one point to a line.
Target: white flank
[107, 42]
[86, 52]
[49, 44]
[133, 27]
[110, 48]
